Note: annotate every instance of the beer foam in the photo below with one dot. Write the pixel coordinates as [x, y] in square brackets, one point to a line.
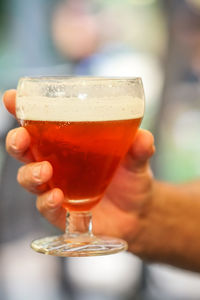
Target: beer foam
[79, 108]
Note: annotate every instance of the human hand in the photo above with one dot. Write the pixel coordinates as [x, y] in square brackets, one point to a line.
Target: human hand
[126, 202]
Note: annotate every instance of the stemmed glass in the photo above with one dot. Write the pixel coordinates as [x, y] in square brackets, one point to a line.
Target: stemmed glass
[83, 126]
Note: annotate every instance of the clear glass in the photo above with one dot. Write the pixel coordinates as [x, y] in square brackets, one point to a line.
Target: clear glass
[83, 126]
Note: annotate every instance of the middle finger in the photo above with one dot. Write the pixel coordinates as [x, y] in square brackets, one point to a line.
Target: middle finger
[35, 176]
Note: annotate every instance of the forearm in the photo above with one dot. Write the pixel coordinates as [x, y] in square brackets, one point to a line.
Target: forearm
[170, 229]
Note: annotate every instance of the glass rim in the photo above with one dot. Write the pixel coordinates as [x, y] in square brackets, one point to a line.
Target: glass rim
[80, 98]
[80, 78]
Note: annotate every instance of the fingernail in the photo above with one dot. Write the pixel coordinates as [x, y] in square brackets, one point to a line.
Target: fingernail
[37, 172]
[14, 140]
[50, 199]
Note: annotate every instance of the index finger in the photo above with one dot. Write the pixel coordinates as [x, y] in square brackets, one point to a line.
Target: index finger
[9, 99]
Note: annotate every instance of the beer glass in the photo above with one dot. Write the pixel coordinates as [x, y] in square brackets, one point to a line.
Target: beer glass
[83, 126]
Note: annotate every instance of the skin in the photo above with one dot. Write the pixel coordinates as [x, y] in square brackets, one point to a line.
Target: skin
[157, 219]
[118, 205]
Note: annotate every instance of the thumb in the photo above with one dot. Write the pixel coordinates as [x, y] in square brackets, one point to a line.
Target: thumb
[140, 152]
[132, 183]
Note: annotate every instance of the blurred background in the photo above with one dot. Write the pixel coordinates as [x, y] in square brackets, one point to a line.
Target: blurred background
[157, 40]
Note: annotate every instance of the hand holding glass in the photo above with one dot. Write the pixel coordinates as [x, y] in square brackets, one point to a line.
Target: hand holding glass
[83, 126]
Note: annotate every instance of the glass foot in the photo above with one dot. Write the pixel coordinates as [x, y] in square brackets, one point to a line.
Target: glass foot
[78, 246]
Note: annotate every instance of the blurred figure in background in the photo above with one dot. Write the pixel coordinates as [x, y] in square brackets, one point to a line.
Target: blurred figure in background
[75, 30]
[102, 39]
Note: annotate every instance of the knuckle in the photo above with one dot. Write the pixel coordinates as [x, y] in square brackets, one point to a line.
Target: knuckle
[40, 205]
[20, 177]
[8, 137]
[12, 143]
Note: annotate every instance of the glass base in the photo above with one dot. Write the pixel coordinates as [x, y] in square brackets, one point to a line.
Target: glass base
[82, 245]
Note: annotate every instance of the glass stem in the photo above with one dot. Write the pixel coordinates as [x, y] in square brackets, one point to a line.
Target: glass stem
[78, 223]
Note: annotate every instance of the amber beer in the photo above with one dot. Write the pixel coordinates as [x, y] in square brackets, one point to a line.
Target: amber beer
[83, 126]
[84, 155]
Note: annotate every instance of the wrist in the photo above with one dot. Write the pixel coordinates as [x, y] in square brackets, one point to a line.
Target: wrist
[149, 243]
[169, 231]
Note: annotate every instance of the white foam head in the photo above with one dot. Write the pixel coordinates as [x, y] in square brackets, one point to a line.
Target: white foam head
[79, 99]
